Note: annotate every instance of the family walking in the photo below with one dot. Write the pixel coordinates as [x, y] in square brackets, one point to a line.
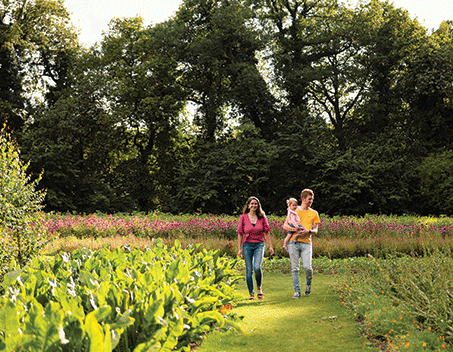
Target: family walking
[253, 230]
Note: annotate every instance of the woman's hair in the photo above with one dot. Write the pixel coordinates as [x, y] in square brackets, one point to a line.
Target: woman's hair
[306, 192]
[290, 201]
[259, 212]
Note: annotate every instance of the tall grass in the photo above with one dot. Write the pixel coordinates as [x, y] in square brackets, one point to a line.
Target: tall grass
[404, 303]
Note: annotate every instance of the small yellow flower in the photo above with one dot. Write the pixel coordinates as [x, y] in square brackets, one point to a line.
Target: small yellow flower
[424, 344]
[407, 345]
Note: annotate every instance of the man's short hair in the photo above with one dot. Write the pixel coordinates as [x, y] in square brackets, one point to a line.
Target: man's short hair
[306, 192]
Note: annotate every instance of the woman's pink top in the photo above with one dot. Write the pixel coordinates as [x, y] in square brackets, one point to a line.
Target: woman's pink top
[253, 233]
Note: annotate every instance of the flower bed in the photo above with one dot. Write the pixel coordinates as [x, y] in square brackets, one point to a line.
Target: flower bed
[337, 238]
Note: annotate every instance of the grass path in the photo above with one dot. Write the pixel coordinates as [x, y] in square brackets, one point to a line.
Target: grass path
[278, 323]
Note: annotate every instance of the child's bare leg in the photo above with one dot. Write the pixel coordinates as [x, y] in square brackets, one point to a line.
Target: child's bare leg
[285, 243]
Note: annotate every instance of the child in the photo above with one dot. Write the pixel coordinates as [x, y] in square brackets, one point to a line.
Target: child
[293, 221]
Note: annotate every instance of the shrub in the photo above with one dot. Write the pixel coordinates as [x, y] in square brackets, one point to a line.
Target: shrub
[20, 219]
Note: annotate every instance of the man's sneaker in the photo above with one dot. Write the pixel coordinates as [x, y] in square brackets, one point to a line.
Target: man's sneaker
[296, 295]
[307, 290]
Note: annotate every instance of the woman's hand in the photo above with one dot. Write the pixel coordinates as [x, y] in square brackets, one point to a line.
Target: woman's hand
[271, 251]
[240, 254]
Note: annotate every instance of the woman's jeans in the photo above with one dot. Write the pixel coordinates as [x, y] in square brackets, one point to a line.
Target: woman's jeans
[253, 256]
[297, 251]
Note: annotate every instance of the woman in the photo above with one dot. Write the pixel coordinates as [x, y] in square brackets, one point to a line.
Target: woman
[252, 230]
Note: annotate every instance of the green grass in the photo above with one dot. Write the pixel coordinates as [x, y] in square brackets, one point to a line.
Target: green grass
[279, 323]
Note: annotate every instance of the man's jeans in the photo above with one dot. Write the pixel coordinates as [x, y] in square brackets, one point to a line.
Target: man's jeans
[298, 250]
[253, 256]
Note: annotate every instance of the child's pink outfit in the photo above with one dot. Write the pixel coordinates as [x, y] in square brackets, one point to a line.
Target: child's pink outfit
[293, 218]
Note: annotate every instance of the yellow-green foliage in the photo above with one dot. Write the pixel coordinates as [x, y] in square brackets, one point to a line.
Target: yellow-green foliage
[20, 220]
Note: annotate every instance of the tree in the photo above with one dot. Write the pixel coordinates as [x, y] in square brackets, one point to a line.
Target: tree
[11, 91]
[436, 180]
[378, 177]
[341, 78]
[224, 174]
[73, 141]
[297, 43]
[33, 47]
[389, 41]
[215, 44]
[146, 98]
[427, 93]
[20, 203]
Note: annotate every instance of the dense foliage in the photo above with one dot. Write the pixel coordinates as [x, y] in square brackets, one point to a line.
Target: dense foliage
[21, 227]
[159, 299]
[232, 98]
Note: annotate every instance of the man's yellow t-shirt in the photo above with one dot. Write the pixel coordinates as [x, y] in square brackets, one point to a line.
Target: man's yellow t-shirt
[307, 219]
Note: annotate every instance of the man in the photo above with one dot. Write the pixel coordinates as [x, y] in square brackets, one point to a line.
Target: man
[301, 247]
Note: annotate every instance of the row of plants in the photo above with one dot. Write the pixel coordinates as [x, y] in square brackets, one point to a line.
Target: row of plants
[402, 303]
[339, 237]
[157, 299]
[167, 225]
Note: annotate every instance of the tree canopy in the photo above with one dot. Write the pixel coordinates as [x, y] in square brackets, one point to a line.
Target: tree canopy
[228, 99]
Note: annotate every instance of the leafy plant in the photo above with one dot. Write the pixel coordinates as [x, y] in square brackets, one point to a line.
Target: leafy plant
[20, 220]
[158, 299]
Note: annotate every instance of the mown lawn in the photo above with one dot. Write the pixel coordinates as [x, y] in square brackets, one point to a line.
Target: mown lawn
[279, 323]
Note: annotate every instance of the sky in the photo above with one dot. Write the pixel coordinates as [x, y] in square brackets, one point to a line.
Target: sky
[91, 17]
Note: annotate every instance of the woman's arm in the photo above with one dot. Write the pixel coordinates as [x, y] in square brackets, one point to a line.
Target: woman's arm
[240, 245]
[240, 232]
[269, 242]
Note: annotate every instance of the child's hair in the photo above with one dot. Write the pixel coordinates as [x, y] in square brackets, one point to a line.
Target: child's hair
[290, 201]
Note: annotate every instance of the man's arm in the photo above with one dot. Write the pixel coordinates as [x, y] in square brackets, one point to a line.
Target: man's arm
[314, 229]
[288, 228]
